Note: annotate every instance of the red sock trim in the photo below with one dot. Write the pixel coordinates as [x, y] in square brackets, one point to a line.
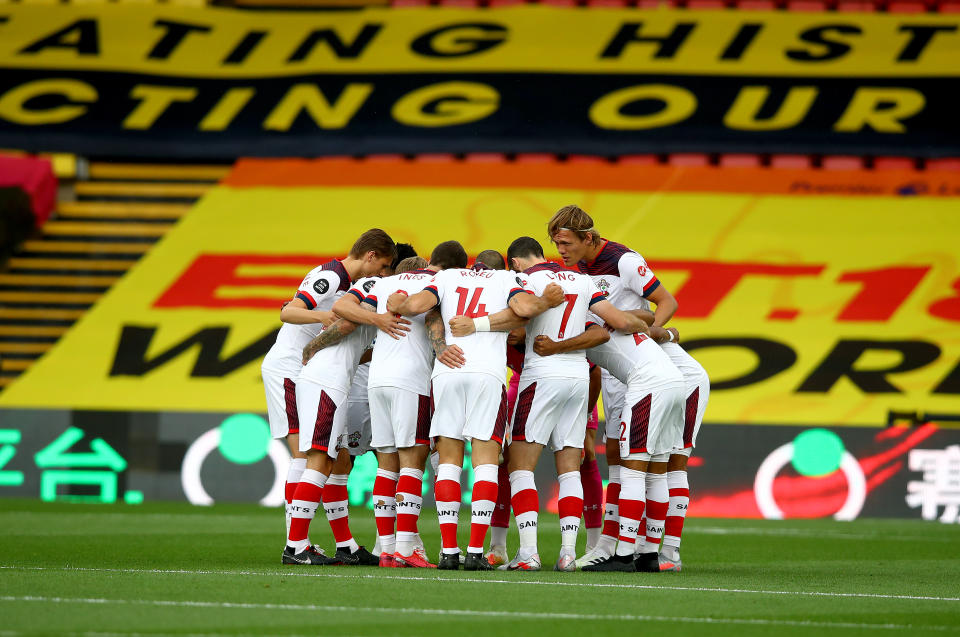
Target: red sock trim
[525, 501]
[570, 507]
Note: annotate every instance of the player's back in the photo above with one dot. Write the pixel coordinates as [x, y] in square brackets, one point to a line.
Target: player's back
[560, 323]
[634, 358]
[475, 293]
[405, 362]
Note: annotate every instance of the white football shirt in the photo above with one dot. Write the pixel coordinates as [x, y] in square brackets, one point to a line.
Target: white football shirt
[559, 323]
[405, 362]
[631, 359]
[475, 293]
[623, 275]
[335, 365]
[319, 290]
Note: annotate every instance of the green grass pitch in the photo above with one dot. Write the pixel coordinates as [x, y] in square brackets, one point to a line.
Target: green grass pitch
[169, 568]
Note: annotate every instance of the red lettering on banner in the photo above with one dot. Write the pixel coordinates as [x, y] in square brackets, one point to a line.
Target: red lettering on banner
[197, 286]
[948, 308]
[711, 281]
[883, 291]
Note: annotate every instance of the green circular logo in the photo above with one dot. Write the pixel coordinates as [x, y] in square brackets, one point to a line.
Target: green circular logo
[817, 453]
[244, 438]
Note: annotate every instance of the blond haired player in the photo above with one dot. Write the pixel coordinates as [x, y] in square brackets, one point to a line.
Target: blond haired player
[644, 407]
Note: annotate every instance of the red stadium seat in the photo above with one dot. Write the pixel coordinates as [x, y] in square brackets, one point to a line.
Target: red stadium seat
[791, 161]
[385, 158]
[706, 4]
[586, 159]
[813, 6]
[863, 6]
[399, 4]
[435, 158]
[842, 162]
[486, 158]
[688, 159]
[506, 3]
[757, 5]
[462, 4]
[944, 163]
[738, 160]
[536, 158]
[611, 4]
[639, 160]
[894, 163]
[949, 7]
[907, 7]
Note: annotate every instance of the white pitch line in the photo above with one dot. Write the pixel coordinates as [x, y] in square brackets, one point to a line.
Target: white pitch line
[719, 530]
[95, 633]
[468, 580]
[462, 612]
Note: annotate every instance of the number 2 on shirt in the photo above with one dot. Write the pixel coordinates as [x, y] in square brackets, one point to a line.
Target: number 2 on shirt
[571, 300]
[475, 309]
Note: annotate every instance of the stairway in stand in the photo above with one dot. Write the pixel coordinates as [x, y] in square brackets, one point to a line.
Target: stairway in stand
[113, 218]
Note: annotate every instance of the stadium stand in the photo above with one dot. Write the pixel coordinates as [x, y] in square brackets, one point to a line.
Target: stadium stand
[101, 227]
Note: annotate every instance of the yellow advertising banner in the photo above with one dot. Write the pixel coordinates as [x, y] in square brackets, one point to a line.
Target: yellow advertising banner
[804, 309]
[216, 42]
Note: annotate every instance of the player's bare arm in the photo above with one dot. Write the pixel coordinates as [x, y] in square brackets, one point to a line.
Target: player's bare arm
[330, 336]
[619, 320]
[505, 320]
[664, 335]
[400, 303]
[591, 337]
[666, 305]
[645, 315]
[350, 308]
[530, 305]
[449, 355]
[295, 312]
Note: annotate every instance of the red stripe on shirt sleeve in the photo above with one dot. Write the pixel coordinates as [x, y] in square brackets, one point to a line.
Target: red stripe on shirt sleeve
[651, 286]
[307, 299]
[356, 294]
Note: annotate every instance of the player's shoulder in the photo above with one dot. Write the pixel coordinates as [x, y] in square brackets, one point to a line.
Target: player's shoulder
[608, 260]
[333, 274]
[365, 284]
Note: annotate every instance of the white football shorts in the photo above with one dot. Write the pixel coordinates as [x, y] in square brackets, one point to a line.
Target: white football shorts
[552, 412]
[652, 421]
[323, 416]
[469, 405]
[399, 418]
[281, 404]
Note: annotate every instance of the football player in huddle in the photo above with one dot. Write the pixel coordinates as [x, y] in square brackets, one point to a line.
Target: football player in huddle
[470, 401]
[650, 429]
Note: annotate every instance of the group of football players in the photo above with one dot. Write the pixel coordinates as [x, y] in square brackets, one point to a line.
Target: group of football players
[388, 351]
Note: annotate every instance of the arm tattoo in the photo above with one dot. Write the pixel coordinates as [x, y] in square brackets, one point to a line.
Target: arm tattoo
[330, 336]
[435, 331]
